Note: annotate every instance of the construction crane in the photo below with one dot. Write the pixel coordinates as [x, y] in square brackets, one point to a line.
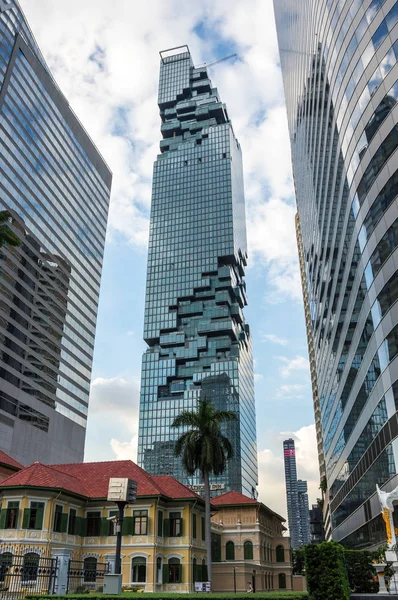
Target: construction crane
[217, 61]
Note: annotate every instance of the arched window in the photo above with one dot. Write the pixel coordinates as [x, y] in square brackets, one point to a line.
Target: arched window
[158, 570]
[5, 564]
[194, 570]
[204, 570]
[138, 569]
[280, 554]
[30, 567]
[248, 550]
[90, 569]
[230, 551]
[282, 581]
[172, 572]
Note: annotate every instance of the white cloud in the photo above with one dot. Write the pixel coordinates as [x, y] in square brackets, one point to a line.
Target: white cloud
[105, 58]
[258, 377]
[130, 333]
[294, 365]
[272, 488]
[293, 391]
[271, 337]
[125, 450]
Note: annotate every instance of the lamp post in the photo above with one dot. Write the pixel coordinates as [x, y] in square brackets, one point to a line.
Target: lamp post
[122, 491]
[235, 580]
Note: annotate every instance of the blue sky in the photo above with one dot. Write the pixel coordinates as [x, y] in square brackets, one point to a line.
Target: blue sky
[105, 56]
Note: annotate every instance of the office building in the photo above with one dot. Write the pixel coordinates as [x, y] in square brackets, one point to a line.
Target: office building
[199, 345]
[55, 186]
[339, 66]
[316, 524]
[293, 514]
[304, 512]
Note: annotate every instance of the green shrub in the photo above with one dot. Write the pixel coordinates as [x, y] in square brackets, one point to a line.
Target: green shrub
[326, 572]
[361, 571]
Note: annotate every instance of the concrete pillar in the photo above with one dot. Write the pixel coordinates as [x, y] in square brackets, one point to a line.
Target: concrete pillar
[63, 555]
[111, 558]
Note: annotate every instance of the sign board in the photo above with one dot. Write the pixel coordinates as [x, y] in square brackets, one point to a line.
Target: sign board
[122, 489]
[214, 487]
[202, 586]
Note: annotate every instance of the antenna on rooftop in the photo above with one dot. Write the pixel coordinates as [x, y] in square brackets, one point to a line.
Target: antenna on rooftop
[218, 61]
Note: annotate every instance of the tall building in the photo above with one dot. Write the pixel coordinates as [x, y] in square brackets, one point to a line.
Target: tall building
[55, 186]
[293, 513]
[199, 345]
[339, 65]
[304, 512]
[316, 525]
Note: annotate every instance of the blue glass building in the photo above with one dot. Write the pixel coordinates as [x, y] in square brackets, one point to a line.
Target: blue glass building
[339, 62]
[199, 345]
[55, 186]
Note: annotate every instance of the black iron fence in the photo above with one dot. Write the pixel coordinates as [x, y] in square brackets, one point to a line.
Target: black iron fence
[26, 574]
[86, 575]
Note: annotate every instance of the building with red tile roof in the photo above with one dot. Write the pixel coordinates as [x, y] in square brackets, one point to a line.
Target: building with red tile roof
[8, 465]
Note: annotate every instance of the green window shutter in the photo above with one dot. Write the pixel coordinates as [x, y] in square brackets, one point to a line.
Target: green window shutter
[230, 551]
[194, 527]
[17, 519]
[166, 527]
[160, 523]
[248, 551]
[166, 573]
[180, 574]
[81, 526]
[128, 526]
[26, 518]
[181, 527]
[39, 518]
[64, 523]
[199, 573]
[204, 573]
[105, 526]
[3, 516]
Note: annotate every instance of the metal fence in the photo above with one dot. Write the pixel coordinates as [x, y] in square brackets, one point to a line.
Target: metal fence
[27, 574]
[86, 575]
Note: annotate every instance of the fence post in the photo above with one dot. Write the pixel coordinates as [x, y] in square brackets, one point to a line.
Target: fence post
[61, 581]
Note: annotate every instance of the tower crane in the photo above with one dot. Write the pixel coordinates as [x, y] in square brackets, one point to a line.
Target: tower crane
[218, 61]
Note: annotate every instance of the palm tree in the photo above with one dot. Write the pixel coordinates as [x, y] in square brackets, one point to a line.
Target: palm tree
[204, 448]
[7, 236]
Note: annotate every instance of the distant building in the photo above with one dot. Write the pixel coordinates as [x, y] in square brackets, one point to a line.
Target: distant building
[304, 512]
[293, 514]
[316, 525]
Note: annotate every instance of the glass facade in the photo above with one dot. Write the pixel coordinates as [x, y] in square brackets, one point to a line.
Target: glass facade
[199, 345]
[56, 187]
[339, 64]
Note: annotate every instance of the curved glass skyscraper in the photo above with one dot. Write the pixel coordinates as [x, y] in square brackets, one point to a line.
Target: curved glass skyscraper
[340, 69]
[55, 187]
[199, 346]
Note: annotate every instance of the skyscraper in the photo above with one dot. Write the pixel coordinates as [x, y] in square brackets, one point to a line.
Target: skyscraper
[304, 511]
[199, 345]
[339, 65]
[55, 186]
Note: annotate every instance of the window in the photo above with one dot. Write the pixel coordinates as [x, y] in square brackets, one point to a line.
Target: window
[72, 522]
[194, 571]
[138, 569]
[90, 569]
[11, 515]
[5, 564]
[175, 524]
[112, 524]
[248, 550]
[194, 532]
[282, 581]
[33, 516]
[140, 522]
[230, 551]
[93, 523]
[172, 572]
[280, 554]
[160, 523]
[204, 570]
[60, 519]
[203, 529]
[30, 567]
[158, 570]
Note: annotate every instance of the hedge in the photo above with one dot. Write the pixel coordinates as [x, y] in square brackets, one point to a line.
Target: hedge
[361, 572]
[166, 596]
[326, 571]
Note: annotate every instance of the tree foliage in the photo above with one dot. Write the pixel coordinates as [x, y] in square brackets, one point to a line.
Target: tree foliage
[299, 561]
[7, 236]
[326, 572]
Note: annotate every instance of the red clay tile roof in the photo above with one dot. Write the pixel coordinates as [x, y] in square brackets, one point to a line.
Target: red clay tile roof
[232, 498]
[10, 462]
[91, 479]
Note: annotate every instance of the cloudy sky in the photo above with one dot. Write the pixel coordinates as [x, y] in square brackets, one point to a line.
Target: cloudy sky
[105, 57]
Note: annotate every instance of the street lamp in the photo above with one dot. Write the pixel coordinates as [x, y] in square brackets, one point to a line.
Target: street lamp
[122, 491]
